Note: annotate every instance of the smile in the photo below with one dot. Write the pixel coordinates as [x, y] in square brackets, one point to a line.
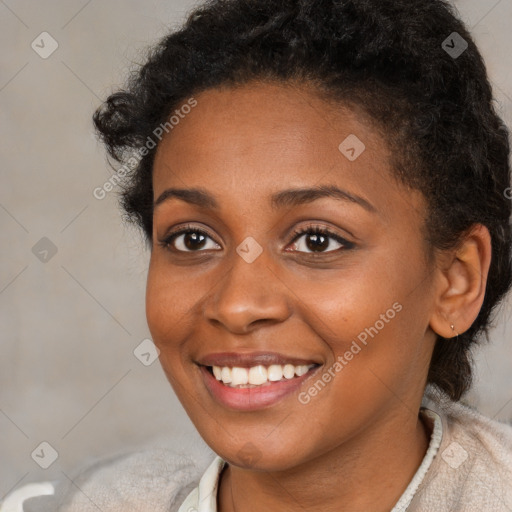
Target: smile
[237, 377]
[275, 383]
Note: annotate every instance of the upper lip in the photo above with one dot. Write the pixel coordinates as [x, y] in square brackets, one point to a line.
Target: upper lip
[249, 359]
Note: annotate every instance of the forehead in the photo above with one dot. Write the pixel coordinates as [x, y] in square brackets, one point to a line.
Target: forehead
[291, 119]
[259, 138]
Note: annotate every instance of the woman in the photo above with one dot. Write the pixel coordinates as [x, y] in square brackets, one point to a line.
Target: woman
[322, 186]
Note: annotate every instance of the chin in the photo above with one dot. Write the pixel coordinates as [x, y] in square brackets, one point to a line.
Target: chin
[249, 456]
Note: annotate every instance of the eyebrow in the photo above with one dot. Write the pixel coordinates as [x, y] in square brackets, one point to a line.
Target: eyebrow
[289, 197]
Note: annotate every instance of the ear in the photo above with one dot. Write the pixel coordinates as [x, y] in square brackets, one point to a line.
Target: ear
[462, 278]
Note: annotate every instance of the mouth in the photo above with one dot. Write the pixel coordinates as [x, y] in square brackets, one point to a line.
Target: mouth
[255, 387]
[258, 375]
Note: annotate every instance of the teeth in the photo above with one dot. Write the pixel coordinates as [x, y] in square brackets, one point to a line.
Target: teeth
[258, 375]
[239, 376]
[301, 370]
[225, 375]
[289, 371]
[275, 373]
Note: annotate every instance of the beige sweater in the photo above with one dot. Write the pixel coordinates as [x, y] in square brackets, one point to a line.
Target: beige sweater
[471, 471]
[473, 468]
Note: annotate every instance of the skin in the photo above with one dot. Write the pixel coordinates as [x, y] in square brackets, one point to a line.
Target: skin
[357, 443]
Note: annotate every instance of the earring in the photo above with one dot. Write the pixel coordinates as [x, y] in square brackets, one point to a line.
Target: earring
[453, 329]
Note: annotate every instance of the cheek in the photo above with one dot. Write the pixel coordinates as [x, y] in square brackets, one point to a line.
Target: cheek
[342, 307]
[157, 308]
[165, 304]
[165, 308]
[376, 316]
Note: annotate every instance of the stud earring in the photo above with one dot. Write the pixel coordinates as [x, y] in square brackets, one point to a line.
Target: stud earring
[453, 329]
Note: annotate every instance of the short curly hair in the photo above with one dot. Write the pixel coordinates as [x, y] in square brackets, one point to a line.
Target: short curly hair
[390, 59]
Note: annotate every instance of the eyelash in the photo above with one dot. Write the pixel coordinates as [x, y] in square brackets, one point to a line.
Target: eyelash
[167, 242]
[317, 230]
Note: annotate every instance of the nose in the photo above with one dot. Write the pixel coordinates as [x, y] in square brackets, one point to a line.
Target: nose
[247, 295]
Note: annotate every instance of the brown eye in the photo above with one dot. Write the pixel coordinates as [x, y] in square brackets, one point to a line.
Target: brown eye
[317, 240]
[188, 240]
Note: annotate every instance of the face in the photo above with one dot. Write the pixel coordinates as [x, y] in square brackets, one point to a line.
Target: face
[265, 273]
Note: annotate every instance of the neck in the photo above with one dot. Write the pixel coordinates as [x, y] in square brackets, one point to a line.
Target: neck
[370, 472]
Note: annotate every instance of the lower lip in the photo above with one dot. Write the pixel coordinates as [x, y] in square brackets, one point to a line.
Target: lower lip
[251, 399]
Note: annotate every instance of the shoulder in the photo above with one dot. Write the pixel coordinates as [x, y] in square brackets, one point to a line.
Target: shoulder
[156, 479]
[489, 440]
[473, 466]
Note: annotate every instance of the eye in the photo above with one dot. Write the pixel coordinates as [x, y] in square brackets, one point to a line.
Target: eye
[189, 239]
[194, 239]
[318, 240]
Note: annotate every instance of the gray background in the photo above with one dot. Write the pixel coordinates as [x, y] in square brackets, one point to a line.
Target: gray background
[69, 326]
